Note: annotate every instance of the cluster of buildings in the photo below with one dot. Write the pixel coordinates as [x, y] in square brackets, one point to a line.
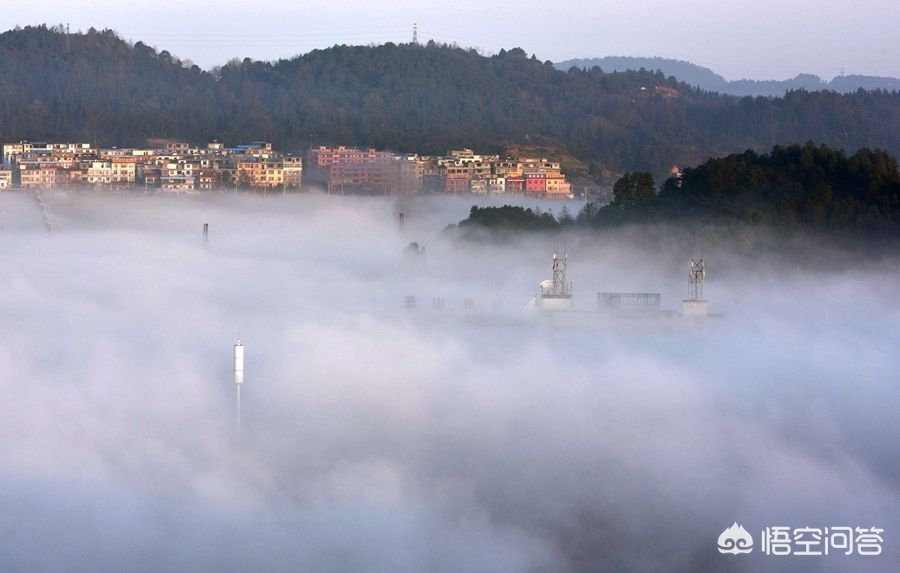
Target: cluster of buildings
[173, 167]
[344, 169]
[179, 167]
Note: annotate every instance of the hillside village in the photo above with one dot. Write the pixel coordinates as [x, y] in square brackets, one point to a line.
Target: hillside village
[180, 167]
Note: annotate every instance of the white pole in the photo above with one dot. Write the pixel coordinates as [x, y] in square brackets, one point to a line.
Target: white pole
[238, 380]
[237, 390]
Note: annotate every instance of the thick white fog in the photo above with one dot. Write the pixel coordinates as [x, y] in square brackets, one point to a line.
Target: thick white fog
[377, 437]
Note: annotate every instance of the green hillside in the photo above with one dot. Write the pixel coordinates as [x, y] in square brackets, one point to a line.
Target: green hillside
[411, 98]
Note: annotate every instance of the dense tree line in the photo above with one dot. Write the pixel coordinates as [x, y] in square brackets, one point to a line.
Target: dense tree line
[510, 218]
[412, 98]
[810, 187]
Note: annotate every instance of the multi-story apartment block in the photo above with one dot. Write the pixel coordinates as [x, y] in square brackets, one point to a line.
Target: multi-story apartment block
[292, 168]
[535, 182]
[261, 149]
[208, 179]
[496, 185]
[261, 173]
[479, 186]
[351, 170]
[410, 171]
[149, 175]
[24, 150]
[76, 176]
[12, 150]
[557, 186]
[505, 167]
[35, 174]
[71, 148]
[515, 182]
[124, 170]
[99, 173]
[6, 174]
[177, 176]
[178, 148]
[457, 177]
[463, 171]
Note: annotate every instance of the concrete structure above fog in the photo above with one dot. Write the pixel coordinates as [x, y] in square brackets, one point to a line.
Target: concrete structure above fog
[172, 167]
[351, 170]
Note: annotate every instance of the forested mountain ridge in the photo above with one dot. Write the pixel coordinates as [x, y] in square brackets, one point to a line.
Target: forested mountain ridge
[409, 98]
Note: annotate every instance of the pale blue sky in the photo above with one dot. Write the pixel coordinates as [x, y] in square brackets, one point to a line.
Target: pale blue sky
[771, 40]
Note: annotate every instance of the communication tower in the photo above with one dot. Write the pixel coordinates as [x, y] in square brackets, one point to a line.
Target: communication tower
[556, 293]
[695, 279]
[415, 34]
[695, 307]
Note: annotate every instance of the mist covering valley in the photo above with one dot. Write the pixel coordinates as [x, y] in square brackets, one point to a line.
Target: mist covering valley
[377, 437]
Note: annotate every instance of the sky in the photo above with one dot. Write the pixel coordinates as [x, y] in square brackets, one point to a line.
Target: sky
[376, 437]
[767, 39]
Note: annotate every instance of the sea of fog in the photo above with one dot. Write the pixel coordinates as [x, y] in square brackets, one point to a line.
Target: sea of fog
[468, 434]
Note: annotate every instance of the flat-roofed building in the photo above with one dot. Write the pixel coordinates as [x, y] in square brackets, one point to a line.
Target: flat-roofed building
[35, 174]
[11, 151]
[558, 187]
[515, 184]
[149, 175]
[99, 173]
[177, 176]
[535, 182]
[260, 173]
[293, 171]
[496, 185]
[208, 179]
[124, 170]
[410, 174]
[6, 177]
[351, 170]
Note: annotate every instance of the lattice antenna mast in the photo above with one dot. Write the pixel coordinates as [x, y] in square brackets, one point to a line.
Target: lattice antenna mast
[560, 286]
[415, 34]
[695, 279]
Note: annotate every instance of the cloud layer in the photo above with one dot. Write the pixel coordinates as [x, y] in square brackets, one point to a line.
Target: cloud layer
[380, 438]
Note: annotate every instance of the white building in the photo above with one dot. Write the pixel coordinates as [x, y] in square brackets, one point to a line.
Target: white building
[5, 177]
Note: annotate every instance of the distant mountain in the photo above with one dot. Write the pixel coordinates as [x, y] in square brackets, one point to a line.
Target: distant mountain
[689, 73]
[412, 98]
[706, 79]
